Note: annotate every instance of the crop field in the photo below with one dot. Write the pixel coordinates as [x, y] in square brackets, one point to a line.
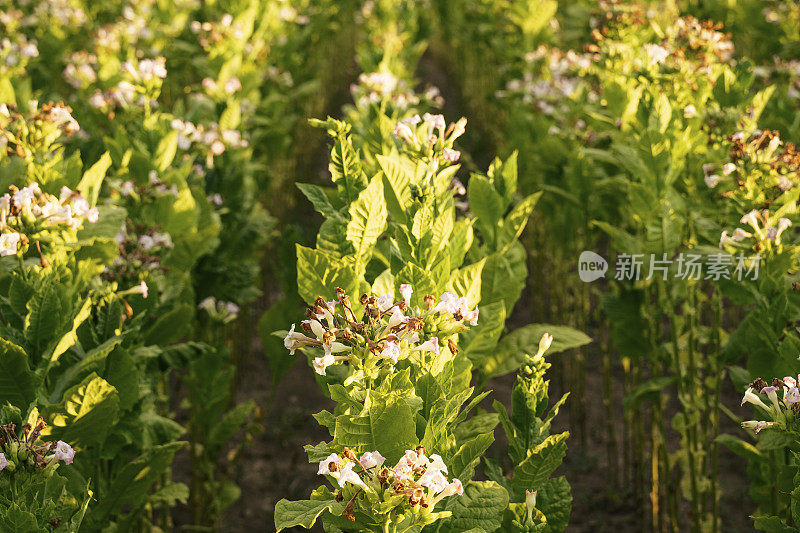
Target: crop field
[394, 266]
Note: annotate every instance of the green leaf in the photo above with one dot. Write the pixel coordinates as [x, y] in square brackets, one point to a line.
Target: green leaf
[466, 282]
[513, 347]
[647, 389]
[367, 220]
[303, 512]
[170, 326]
[482, 505]
[165, 152]
[92, 179]
[386, 425]
[738, 446]
[133, 481]
[541, 462]
[71, 337]
[319, 199]
[554, 500]
[485, 203]
[319, 273]
[44, 317]
[17, 383]
[516, 220]
[85, 414]
[463, 463]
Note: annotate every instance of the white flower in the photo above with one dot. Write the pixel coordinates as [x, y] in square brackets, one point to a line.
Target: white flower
[739, 235]
[25, 196]
[751, 397]
[406, 291]
[455, 487]
[348, 476]
[435, 121]
[789, 381]
[727, 168]
[792, 395]
[3, 461]
[146, 242]
[371, 459]
[140, 289]
[391, 350]
[708, 168]
[772, 394]
[751, 218]
[434, 480]
[785, 183]
[711, 181]
[403, 470]
[448, 303]
[232, 85]
[321, 364]
[437, 463]
[403, 132]
[545, 342]
[431, 345]
[126, 189]
[324, 465]
[295, 340]
[411, 121]
[397, 318]
[385, 302]
[655, 53]
[64, 452]
[8, 243]
[451, 155]
[757, 425]
[55, 213]
[689, 111]
[472, 317]
[209, 84]
[783, 223]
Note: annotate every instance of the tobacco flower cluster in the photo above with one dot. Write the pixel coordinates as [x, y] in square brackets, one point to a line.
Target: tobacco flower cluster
[22, 209]
[140, 250]
[781, 409]
[417, 479]
[376, 87]
[389, 331]
[759, 172]
[554, 77]
[27, 452]
[431, 135]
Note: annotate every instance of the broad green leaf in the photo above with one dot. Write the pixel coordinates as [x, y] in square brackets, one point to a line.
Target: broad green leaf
[71, 337]
[466, 282]
[513, 347]
[92, 179]
[386, 425]
[541, 462]
[85, 414]
[554, 500]
[17, 382]
[367, 220]
[319, 273]
[319, 199]
[303, 512]
[481, 506]
[463, 463]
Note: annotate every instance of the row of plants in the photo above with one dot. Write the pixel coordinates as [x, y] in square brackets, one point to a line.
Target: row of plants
[139, 142]
[656, 140]
[409, 285]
